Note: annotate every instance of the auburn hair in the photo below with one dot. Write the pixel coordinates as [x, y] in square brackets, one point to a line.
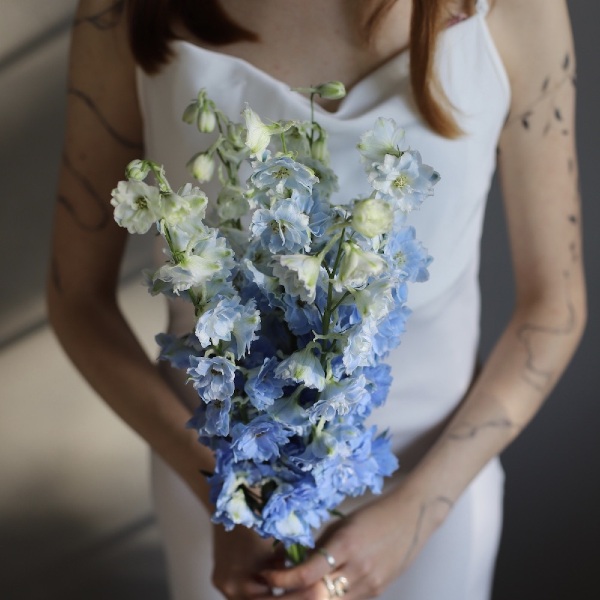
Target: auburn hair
[150, 33]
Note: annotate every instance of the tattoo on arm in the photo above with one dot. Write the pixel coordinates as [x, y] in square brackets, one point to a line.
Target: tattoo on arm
[425, 507]
[468, 431]
[87, 100]
[103, 218]
[548, 91]
[535, 373]
[105, 19]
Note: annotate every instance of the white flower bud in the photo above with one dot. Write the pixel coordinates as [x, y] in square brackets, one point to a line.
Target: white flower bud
[202, 167]
[190, 114]
[137, 170]
[333, 90]
[319, 150]
[372, 217]
[206, 121]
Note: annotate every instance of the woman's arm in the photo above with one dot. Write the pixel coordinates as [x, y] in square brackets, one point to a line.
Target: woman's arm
[539, 179]
[103, 134]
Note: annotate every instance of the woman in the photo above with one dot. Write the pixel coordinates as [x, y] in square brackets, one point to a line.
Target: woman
[502, 77]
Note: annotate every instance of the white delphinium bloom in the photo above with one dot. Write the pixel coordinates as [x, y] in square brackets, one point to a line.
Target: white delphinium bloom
[258, 133]
[357, 266]
[197, 264]
[385, 138]
[298, 273]
[304, 367]
[374, 301]
[188, 203]
[372, 217]
[137, 205]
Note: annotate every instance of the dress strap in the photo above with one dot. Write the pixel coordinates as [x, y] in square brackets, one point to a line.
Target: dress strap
[482, 7]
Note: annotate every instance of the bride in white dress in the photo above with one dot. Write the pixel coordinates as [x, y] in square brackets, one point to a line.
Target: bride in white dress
[506, 73]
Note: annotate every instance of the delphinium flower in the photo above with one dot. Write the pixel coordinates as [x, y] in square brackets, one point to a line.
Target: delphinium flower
[294, 315]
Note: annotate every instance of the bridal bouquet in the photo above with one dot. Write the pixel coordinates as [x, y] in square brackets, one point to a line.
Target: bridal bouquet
[294, 311]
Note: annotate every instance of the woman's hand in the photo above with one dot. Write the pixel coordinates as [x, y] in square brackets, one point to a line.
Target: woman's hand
[239, 556]
[371, 547]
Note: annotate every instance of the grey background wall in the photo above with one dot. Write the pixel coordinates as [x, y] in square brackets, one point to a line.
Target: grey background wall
[550, 544]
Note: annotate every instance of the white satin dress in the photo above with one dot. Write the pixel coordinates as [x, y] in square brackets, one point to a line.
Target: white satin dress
[434, 364]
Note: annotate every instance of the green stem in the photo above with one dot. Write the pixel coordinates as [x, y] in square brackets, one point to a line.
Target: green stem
[296, 553]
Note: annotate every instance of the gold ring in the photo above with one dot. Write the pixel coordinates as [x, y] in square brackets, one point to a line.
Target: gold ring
[327, 556]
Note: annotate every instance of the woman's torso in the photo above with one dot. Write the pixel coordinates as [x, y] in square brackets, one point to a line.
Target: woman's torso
[433, 366]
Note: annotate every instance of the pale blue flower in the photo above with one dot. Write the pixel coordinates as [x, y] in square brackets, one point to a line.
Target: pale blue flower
[262, 387]
[213, 378]
[358, 351]
[407, 255]
[258, 440]
[338, 398]
[389, 330]
[404, 179]
[282, 174]
[216, 323]
[281, 229]
[245, 327]
[289, 514]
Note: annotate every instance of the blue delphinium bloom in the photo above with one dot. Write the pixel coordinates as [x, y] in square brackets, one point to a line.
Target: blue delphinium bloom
[262, 387]
[283, 174]
[302, 317]
[178, 349]
[258, 440]
[407, 255]
[389, 330]
[212, 419]
[231, 507]
[338, 398]
[378, 382]
[290, 514]
[212, 377]
[283, 228]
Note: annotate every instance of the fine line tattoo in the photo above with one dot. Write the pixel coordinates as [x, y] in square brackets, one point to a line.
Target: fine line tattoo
[535, 373]
[87, 100]
[105, 19]
[104, 213]
[425, 507]
[466, 431]
[548, 90]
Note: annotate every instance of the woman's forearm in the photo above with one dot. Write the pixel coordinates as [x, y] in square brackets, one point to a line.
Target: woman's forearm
[98, 340]
[525, 364]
